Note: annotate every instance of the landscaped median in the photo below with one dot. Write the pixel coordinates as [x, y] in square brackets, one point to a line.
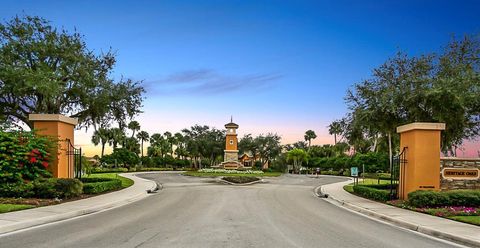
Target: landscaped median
[236, 173]
[459, 205]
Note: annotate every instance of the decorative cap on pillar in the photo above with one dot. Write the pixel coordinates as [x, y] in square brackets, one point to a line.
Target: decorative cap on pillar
[53, 117]
[421, 126]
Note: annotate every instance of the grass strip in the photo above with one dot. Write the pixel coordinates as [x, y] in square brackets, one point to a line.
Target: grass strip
[4, 208]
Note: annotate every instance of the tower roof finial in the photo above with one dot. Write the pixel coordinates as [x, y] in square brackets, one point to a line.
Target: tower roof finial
[231, 118]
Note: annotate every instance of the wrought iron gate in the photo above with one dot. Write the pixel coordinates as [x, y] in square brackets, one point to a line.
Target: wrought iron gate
[74, 159]
[399, 163]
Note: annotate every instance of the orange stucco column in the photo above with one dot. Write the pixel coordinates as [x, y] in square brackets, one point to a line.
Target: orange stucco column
[60, 128]
[422, 170]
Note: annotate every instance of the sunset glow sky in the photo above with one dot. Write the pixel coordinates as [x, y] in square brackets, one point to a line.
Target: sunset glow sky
[276, 66]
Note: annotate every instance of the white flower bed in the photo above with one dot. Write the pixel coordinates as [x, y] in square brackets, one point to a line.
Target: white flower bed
[230, 171]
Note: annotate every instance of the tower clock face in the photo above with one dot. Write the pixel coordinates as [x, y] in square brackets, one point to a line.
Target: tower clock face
[231, 142]
[231, 130]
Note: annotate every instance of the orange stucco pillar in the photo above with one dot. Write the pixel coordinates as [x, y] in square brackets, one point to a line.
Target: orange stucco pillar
[422, 169]
[59, 128]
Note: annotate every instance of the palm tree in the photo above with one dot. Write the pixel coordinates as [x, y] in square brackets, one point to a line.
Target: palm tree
[309, 135]
[179, 139]
[134, 126]
[116, 136]
[101, 136]
[143, 136]
[335, 128]
[170, 139]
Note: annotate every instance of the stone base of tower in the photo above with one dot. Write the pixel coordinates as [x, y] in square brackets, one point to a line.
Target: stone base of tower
[231, 155]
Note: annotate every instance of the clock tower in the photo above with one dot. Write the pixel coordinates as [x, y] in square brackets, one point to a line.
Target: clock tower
[231, 142]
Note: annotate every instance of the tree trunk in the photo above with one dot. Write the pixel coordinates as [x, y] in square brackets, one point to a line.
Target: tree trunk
[142, 148]
[103, 149]
[335, 137]
[375, 141]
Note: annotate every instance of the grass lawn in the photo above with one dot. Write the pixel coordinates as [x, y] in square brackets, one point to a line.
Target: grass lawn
[367, 181]
[13, 207]
[348, 188]
[207, 174]
[467, 219]
[372, 181]
[125, 181]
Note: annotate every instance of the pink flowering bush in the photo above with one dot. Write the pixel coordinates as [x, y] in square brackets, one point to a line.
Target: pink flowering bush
[451, 211]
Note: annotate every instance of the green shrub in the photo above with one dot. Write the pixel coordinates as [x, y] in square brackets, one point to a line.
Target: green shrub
[427, 198]
[24, 190]
[372, 193]
[69, 187]
[333, 173]
[122, 157]
[237, 179]
[380, 186]
[468, 198]
[100, 185]
[50, 188]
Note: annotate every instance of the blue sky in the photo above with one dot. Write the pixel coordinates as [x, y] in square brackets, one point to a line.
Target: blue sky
[276, 66]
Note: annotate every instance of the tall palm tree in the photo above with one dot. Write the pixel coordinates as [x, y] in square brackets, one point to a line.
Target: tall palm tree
[170, 139]
[116, 136]
[309, 135]
[179, 140]
[134, 126]
[143, 136]
[101, 136]
[335, 128]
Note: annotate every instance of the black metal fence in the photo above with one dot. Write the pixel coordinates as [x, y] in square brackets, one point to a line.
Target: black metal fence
[398, 174]
[74, 158]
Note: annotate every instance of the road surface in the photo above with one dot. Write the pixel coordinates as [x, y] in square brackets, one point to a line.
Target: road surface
[197, 212]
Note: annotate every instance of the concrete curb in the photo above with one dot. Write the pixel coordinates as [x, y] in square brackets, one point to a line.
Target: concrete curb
[76, 213]
[397, 222]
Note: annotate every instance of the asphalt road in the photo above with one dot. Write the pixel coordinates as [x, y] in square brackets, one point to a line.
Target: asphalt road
[196, 212]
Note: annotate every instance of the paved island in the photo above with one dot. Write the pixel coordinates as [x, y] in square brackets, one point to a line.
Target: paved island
[197, 212]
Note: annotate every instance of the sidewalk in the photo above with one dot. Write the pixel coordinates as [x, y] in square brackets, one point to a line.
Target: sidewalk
[18, 220]
[423, 223]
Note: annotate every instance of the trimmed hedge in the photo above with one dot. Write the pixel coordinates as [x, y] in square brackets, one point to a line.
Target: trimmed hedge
[427, 198]
[100, 185]
[24, 190]
[240, 180]
[46, 188]
[372, 193]
[57, 188]
[380, 186]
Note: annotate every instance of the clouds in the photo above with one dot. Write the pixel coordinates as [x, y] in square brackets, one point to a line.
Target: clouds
[210, 82]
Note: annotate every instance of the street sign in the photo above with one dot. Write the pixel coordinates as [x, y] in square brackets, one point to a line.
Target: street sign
[354, 171]
[318, 170]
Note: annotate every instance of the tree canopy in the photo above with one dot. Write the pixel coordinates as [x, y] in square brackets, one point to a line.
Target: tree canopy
[440, 87]
[48, 70]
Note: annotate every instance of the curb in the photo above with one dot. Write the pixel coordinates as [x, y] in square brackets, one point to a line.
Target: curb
[69, 215]
[399, 223]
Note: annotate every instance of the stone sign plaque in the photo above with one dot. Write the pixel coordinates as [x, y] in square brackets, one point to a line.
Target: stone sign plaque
[461, 173]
